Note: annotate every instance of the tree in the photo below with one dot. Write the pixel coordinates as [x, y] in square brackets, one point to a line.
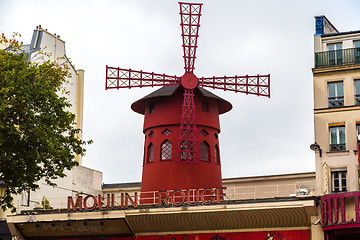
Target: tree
[38, 137]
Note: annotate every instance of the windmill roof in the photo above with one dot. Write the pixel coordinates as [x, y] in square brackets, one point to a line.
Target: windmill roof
[139, 105]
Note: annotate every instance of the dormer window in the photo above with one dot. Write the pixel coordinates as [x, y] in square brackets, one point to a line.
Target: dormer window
[151, 108]
[205, 106]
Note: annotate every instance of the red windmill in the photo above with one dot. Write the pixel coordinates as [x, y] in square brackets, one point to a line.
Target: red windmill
[184, 121]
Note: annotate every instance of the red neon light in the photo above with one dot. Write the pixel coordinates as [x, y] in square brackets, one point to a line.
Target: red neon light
[169, 198]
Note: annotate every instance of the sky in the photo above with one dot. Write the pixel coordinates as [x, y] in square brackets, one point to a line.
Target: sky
[259, 136]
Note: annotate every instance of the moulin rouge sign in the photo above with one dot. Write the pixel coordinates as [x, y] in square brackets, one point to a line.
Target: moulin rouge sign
[168, 198]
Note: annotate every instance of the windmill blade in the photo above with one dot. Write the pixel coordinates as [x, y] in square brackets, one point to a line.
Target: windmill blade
[187, 147]
[127, 78]
[190, 19]
[258, 85]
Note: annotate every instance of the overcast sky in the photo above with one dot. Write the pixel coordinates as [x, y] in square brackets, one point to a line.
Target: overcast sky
[259, 136]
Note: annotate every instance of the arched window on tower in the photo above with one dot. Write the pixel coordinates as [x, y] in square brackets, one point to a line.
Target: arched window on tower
[166, 150]
[150, 153]
[204, 152]
[217, 155]
[205, 106]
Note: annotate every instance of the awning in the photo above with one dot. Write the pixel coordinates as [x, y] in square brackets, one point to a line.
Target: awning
[205, 218]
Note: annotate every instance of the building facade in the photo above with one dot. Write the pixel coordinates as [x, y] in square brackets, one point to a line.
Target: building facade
[263, 207]
[320, 205]
[46, 46]
[336, 79]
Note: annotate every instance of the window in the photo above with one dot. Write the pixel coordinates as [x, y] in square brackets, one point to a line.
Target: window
[336, 94]
[204, 152]
[356, 44]
[358, 128]
[335, 54]
[217, 155]
[337, 138]
[357, 92]
[166, 150]
[166, 132]
[205, 106]
[204, 133]
[338, 180]
[150, 153]
[151, 134]
[151, 108]
[357, 51]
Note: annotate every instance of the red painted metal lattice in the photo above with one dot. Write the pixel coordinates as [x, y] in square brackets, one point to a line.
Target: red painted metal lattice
[190, 19]
[188, 139]
[190, 13]
[258, 85]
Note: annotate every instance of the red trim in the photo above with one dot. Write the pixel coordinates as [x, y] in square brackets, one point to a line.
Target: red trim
[331, 206]
[342, 226]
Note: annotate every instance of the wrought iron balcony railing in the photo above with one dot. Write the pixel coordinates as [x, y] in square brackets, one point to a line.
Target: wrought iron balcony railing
[335, 102]
[337, 147]
[337, 57]
[357, 99]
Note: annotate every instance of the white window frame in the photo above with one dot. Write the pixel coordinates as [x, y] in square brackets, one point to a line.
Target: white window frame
[335, 46]
[337, 137]
[336, 97]
[342, 174]
[337, 52]
[357, 91]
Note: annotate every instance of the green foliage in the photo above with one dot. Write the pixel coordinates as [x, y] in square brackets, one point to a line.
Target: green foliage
[45, 203]
[38, 137]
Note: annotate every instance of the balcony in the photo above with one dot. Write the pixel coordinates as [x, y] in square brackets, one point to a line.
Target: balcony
[357, 99]
[337, 147]
[335, 102]
[337, 58]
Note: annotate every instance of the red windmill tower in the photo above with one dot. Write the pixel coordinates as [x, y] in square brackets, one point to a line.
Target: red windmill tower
[181, 123]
